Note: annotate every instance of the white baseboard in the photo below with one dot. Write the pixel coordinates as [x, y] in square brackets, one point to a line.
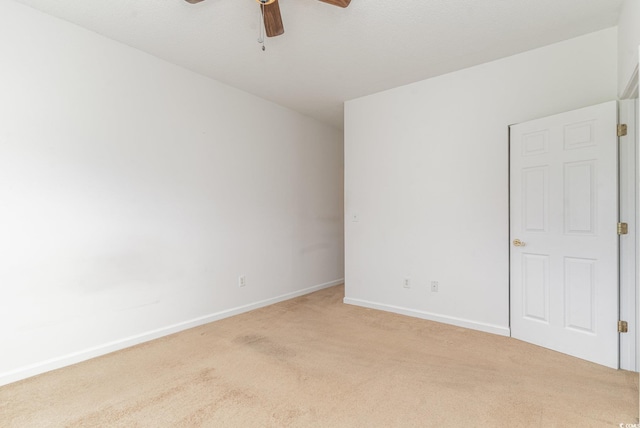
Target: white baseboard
[460, 322]
[97, 351]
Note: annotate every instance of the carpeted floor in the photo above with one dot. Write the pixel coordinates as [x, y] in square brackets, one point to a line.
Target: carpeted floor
[315, 362]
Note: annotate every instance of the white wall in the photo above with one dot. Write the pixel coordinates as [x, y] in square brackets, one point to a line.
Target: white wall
[628, 42]
[426, 172]
[133, 193]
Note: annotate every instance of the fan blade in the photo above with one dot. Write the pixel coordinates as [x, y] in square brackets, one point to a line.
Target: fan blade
[341, 3]
[193, 1]
[272, 19]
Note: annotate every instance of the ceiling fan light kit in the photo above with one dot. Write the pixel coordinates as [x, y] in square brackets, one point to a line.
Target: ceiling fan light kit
[271, 14]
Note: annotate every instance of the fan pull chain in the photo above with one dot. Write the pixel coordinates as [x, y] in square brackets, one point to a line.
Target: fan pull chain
[261, 35]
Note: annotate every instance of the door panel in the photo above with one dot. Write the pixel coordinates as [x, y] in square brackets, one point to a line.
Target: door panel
[579, 282]
[536, 287]
[535, 182]
[580, 198]
[564, 210]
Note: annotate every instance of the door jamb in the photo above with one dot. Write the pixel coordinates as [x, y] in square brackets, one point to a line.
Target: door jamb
[628, 213]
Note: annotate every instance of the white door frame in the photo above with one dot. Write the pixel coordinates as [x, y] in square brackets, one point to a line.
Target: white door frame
[628, 190]
[629, 113]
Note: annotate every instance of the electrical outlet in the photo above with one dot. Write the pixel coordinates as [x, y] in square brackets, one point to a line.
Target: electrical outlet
[406, 283]
[434, 286]
[242, 281]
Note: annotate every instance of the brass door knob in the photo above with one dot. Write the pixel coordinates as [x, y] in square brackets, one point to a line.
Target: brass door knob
[518, 243]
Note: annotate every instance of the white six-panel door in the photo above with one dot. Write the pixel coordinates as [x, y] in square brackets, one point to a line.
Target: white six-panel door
[564, 241]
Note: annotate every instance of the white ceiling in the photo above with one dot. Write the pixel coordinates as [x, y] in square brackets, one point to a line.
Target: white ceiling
[328, 54]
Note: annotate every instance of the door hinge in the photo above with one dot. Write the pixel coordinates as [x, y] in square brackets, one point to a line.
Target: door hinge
[623, 327]
[623, 228]
[622, 130]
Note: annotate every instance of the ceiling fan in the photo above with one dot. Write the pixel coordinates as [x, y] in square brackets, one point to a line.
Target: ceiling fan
[271, 14]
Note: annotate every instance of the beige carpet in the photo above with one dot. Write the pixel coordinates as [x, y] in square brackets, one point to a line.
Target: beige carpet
[314, 361]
